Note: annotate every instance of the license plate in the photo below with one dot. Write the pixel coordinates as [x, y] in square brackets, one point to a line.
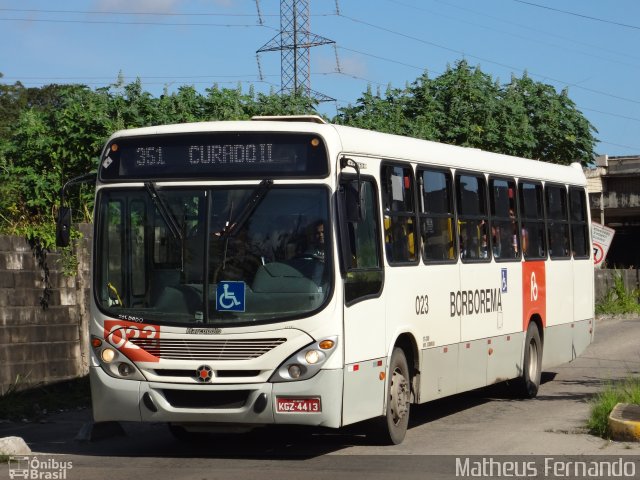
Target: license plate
[298, 405]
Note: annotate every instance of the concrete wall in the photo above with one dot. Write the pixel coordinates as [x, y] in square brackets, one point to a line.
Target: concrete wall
[40, 345]
[604, 281]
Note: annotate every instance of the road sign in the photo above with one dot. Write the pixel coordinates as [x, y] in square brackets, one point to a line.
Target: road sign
[601, 239]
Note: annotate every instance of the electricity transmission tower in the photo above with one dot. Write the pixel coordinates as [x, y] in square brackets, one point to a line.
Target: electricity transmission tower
[294, 41]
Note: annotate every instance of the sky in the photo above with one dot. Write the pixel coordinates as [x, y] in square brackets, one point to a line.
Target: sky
[587, 46]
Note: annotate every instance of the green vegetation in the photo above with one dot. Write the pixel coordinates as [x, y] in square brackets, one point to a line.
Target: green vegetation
[53, 133]
[627, 391]
[466, 107]
[618, 299]
[33, 403]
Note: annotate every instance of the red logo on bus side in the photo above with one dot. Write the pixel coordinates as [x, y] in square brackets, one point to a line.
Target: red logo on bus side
[119, 332]
[534, 292]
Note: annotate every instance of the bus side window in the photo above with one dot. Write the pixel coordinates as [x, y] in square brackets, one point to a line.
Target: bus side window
[534, 244]
[472, 217]
[436, 216]
[399, 214]
[363, 277]
[505, 234]
[578, 219]
[557, 221]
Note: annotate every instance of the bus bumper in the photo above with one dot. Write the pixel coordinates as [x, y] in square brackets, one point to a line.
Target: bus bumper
[115, 399]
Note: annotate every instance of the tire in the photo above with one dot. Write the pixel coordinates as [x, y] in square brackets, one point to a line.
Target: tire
[531, 363]
[392, 427]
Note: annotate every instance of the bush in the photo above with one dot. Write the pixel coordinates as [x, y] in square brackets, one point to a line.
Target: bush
[618, 299]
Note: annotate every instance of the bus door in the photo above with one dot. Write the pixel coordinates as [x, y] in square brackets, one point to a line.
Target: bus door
[364, 320]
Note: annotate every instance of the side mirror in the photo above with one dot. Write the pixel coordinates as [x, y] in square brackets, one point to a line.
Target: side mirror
[63, 227]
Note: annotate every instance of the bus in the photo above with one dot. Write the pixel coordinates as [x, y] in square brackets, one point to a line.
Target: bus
[284, 270]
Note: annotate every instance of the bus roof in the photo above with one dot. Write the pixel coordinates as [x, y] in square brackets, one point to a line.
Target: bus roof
[387, 146]
[357, 141]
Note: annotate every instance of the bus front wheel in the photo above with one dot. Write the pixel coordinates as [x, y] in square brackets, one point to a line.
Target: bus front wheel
[532, 362]
[392, 427]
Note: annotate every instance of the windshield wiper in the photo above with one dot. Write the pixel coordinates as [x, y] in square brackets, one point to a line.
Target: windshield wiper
[163, 208]
[247, 210]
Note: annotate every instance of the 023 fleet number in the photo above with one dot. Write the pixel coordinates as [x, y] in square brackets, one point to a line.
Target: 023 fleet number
[422, 304]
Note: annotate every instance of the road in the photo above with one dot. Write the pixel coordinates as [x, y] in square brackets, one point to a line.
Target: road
[487, 423]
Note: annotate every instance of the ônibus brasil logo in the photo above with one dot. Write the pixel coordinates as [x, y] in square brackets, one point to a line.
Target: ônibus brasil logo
[38, 468]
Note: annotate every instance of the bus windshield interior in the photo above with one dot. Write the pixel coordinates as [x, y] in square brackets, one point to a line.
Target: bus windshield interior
[219, 256]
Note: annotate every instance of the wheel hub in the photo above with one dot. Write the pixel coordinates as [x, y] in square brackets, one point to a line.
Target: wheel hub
[399, 396]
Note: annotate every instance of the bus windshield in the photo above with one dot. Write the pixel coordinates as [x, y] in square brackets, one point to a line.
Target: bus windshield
[218, 256]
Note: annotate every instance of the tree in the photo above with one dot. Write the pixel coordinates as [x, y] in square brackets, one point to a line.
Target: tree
[466, 107]
[468, 100]
[53, 133]
[561, 133]
[374, 112]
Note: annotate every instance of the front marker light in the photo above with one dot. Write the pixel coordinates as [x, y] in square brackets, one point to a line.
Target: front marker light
[326, 344]
[306, 362]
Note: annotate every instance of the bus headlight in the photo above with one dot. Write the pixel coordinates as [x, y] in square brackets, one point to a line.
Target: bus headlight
[312, 357]
[306, 362]
[107, 355]
[113, 362]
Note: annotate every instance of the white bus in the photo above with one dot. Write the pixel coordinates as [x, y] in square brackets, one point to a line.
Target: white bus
[289, 271]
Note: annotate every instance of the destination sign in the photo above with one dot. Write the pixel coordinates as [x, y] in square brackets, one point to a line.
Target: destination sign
[215, 155]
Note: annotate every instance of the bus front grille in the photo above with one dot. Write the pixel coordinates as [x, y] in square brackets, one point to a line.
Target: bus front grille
[203, 349]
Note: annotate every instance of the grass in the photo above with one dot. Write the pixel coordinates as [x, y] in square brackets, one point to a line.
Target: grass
[35, 402]
[625, 391]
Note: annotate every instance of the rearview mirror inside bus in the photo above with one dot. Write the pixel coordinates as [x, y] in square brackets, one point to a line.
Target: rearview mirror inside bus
[63, 227]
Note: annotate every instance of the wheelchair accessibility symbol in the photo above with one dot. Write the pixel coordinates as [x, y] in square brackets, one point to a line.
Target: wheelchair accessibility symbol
[230, 297]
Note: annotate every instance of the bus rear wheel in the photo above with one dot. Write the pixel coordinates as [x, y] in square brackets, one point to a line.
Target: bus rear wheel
[532, 363]
[392, 428]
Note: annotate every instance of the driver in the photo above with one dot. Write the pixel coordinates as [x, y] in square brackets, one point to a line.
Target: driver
[316, 246]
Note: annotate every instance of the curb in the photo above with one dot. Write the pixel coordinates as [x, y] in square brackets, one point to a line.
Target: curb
[624, 422]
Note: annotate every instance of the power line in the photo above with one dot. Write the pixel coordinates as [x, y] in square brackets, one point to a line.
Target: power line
[596, 19]
[141, 77]
[167, 14]
[633, 119]
[116, 22]
[527, 27]
[619, 145]
[386, 59]
[523, 37]
[157, 14]
[493, 62]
